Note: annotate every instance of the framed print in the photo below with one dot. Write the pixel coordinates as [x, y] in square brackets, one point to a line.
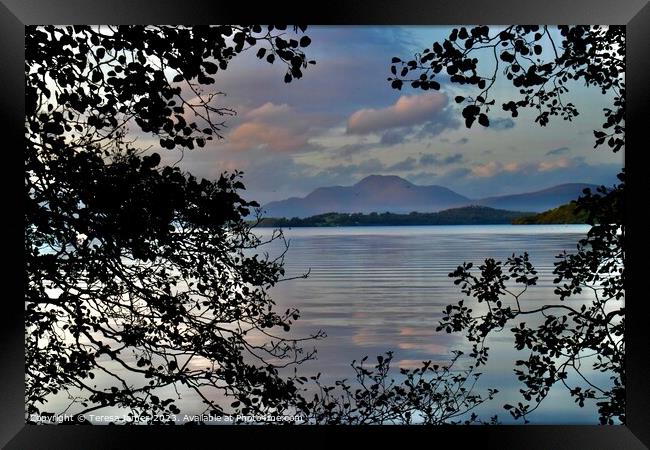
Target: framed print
[393, 221]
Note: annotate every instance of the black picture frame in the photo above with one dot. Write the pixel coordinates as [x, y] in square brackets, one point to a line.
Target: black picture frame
[15, 14]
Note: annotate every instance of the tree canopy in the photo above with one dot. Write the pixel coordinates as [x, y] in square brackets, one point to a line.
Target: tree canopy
[139, 272]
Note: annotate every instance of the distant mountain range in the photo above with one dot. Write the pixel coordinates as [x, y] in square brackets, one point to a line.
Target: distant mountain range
[538, 201]
[390, 193]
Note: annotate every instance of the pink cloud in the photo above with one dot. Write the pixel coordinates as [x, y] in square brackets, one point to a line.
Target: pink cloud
[512, 167]
[493, 168]
[251, 135]
[268, 111]
[407, 111]
[274, 127]
[560, 163]
[488, 169]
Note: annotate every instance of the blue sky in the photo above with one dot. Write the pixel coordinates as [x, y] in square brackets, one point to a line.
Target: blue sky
[342, 122]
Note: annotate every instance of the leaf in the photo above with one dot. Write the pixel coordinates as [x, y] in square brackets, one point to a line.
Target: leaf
[507, 57]
[483, 120]
[96, 76]
[305, 41]
[459, 99]
[210, 68]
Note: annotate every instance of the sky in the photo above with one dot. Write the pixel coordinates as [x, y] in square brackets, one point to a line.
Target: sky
[342, 121]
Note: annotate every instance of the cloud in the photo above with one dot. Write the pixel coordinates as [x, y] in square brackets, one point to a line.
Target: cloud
[431, 159]
[352, 64]
[347, 150]
[560, 163]
[277, 128]
[513, 166]
[407, 164]
[446, 120]
[409, 110]
[366, 167]
[349, 173]
[558, 151]
[277, 123]
[345, 173]
[271, 137]
[492, 168]
[501, 123]
[268, 110]
[410, 163]
[393, 137]
[516, 177]
[488, 169]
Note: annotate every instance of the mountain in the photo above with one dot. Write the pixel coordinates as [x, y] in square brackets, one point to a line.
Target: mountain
[390, 193]
[375, 193]
[466, 215]
[537, 201]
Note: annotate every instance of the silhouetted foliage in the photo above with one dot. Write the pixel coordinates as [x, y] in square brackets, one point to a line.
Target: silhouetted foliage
[571, 334]
[433, 394]
[593, 55]
[136, 271]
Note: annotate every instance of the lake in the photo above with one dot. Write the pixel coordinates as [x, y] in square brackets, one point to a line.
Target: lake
[373, 289]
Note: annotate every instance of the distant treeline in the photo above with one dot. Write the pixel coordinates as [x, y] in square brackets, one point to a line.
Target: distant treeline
[468, 215]
[561, 215]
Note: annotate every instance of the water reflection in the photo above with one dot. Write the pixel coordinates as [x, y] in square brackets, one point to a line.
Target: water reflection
[378, 289]
[374, 289]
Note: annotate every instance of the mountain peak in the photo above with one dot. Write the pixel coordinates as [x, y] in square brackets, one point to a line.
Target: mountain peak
[374, 180]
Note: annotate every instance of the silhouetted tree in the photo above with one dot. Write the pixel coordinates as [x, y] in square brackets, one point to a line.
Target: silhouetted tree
[571, 335]
[433, 394]
[141, 279]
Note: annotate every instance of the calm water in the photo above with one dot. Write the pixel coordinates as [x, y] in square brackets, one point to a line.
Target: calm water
[373, 289]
